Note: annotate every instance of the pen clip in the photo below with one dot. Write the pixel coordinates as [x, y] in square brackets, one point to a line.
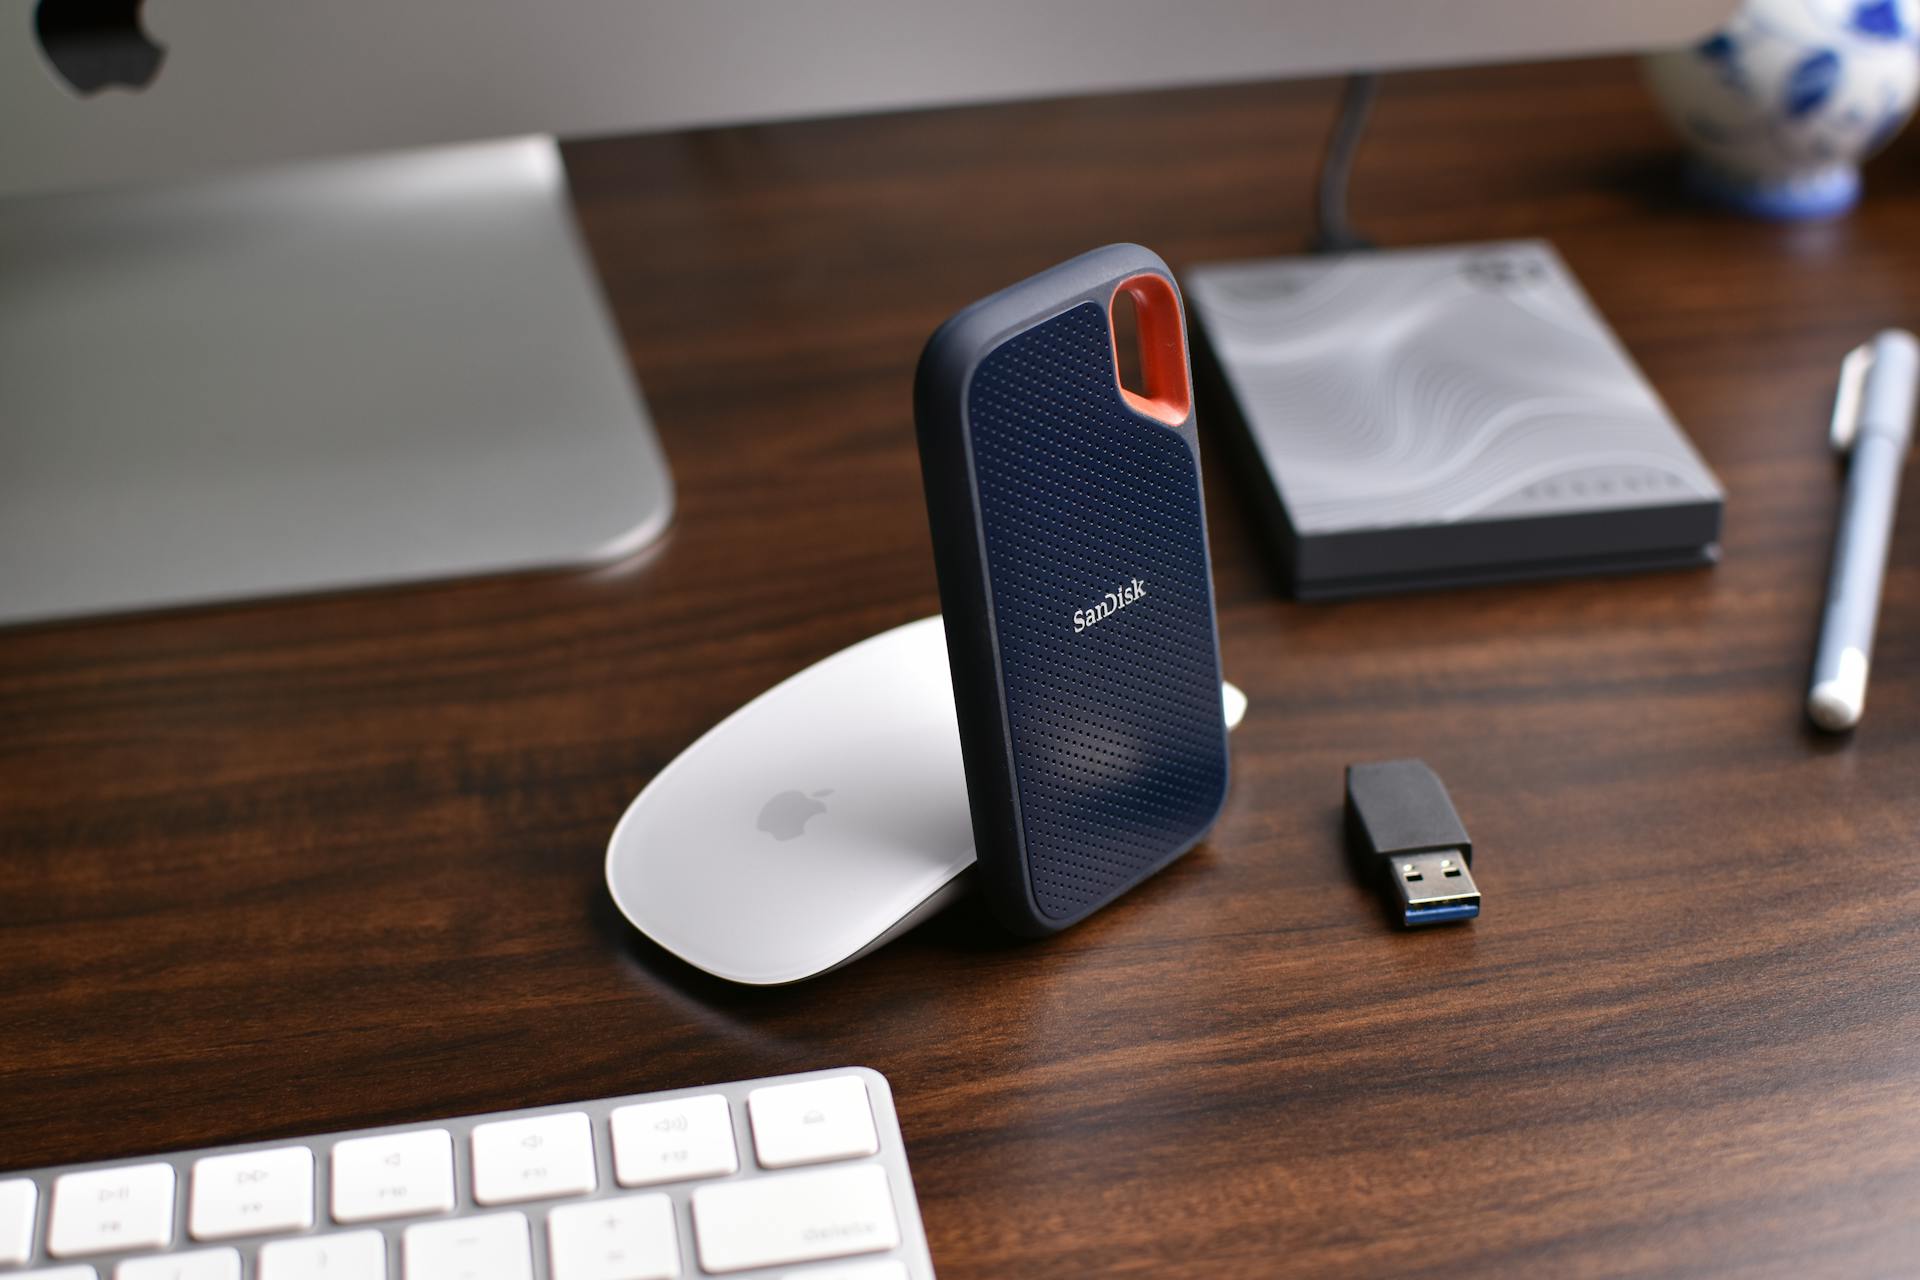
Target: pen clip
[1846, 401]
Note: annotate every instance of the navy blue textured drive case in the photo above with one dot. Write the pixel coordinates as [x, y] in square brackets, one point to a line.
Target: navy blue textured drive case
[1070, 538]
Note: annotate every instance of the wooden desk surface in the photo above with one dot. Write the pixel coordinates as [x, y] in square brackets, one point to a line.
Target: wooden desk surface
[302, 866]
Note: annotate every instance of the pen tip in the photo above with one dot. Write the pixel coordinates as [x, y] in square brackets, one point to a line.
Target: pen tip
[1830, 707]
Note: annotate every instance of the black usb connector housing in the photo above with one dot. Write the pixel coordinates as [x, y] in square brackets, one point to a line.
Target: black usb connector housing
[1404, 837]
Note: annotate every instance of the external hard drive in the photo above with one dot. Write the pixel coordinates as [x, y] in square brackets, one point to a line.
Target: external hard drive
[1071, 543]
[1430, 417]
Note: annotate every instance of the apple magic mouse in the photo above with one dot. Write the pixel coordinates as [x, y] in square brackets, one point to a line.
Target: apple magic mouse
[819, 821]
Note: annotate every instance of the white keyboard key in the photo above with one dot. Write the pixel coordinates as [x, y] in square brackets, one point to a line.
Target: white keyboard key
[884, 1269]
[495, 1247]
[812, 1121]
[537, 1159]
[107, 1210]
[251, 1193]
[206, 1264]
[56, 1273]
[629, 1238]
[668, 1141]
[349, 1255]
[393, 1176]
[796, 1217]
[18, 1199]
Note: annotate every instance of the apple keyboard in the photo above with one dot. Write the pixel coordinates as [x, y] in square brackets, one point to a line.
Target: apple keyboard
[800, 1177]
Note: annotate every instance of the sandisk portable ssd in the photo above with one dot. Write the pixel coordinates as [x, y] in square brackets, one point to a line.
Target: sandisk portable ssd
[1070, 538]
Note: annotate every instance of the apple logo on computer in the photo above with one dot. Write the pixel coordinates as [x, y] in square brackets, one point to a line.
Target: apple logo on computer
[97, 44]
[785, 817]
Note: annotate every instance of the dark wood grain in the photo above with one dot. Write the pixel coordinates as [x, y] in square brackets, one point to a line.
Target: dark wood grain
[309, 865]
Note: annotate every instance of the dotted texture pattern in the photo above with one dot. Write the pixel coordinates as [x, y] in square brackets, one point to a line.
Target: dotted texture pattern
[1119, 752]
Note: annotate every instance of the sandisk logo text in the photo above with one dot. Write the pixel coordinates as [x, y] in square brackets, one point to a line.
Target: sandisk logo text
[1111, 603]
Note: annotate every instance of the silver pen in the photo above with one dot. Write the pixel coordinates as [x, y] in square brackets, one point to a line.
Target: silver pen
[1872, 421]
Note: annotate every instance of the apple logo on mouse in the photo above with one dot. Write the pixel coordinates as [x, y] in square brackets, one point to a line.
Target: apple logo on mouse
[97, 44]
[785, 817]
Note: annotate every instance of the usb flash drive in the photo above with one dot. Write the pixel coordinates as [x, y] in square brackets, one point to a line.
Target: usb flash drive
[1403, 834]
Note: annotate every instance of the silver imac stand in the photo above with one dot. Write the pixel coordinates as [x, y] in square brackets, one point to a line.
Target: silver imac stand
[351, 373]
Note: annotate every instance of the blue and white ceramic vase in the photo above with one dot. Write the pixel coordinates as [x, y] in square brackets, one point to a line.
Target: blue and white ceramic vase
[1783, 104]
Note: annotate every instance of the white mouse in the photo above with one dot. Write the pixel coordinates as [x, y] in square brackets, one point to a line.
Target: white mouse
[821, 820]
